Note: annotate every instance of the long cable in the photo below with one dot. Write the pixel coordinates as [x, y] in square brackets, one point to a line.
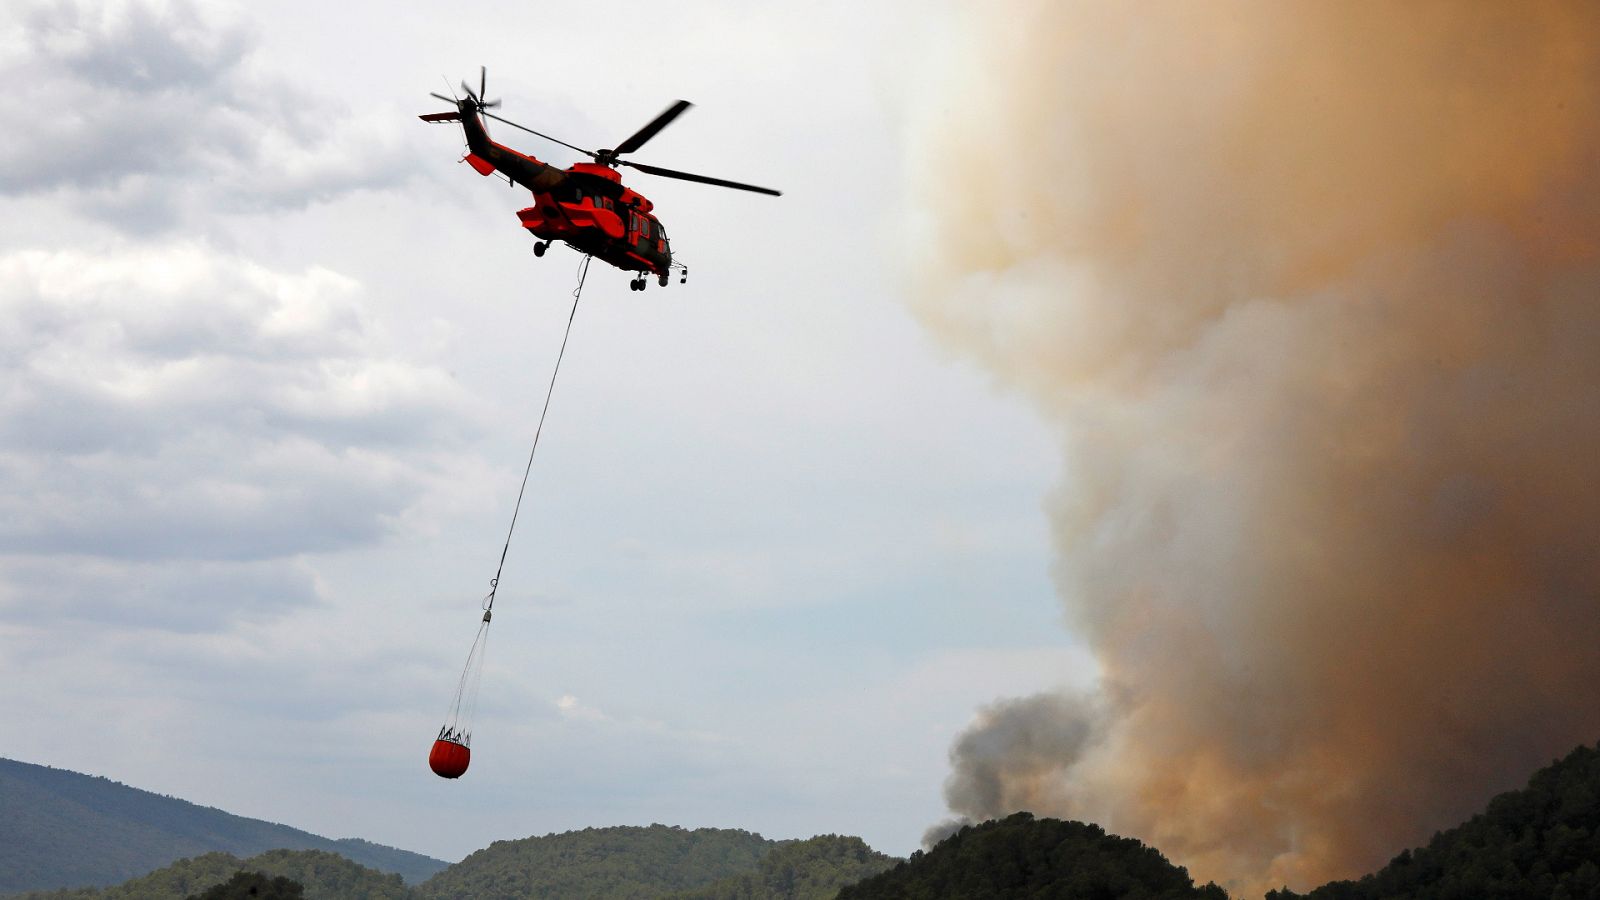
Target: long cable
[577, 292]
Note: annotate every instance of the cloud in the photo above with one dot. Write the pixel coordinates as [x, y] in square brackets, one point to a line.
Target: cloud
[145, 114]
[177, 403]
[197, 596]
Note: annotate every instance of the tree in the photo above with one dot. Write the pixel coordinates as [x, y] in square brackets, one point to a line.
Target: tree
[253, 886]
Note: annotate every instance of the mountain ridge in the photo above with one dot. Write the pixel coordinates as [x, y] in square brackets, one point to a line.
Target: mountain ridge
[134, 832]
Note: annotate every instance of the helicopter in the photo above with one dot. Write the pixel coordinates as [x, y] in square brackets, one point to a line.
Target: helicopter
[585, 205]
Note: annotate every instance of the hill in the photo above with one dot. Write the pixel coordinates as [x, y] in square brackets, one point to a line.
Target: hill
[61, 829]
[622, 862]
[657, 861]
[322, 875]
[1539, 843]
[1020, 856]
[813, 869]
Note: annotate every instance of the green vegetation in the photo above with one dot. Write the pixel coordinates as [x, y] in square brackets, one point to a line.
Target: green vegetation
[1539, 843]
[814, 869]
[60, 829]
[246, 885]
[1020, 856]
[322, 876]
[624, 862]
[703, 864]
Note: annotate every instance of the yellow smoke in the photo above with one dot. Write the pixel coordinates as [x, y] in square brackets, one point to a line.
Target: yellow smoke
[1313, 290]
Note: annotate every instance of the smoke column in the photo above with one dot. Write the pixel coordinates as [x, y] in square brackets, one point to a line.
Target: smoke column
[1313, 292]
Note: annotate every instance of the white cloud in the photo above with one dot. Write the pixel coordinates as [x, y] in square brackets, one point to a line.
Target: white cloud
[174, 402]
[146, 114]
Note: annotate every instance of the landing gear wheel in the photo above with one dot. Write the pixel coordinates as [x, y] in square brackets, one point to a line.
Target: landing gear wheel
[540, 247]
[663, 279]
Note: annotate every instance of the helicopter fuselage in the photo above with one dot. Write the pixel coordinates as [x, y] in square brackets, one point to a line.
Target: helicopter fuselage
[586, 205]
[596, 214]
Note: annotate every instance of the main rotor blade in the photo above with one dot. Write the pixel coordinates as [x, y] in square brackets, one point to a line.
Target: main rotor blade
[649, 131]
[483, 82]
[442, 97]
[547, 137]
[703, 179]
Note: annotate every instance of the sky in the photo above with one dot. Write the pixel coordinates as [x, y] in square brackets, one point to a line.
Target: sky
[272, 360]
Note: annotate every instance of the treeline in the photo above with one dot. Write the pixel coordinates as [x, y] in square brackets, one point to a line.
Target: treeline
[601, 863]
[320, 874]
[1023, 857]
[596, 863]
[813, 869]
[254, 886]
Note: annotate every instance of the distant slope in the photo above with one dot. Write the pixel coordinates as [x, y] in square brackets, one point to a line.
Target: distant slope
[1021, 856]
[1539, 843]
[60, 829]
[325, 876]
[813, 869]
[599, 863]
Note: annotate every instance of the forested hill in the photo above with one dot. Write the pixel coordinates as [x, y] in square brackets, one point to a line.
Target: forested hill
[60, 829]
[1020, 856]
[318, 874]
[1538, 843]
[598, 863]
[813, 869]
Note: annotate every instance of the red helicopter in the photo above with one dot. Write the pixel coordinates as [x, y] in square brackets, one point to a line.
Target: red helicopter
[585, 205]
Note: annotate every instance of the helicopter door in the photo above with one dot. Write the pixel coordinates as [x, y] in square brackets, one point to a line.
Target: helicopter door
[641, 235]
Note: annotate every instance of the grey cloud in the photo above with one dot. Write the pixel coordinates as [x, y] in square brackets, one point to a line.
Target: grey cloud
[215, 495]
[177, 403]
[196, 597]
[138, 112]
[136, 47]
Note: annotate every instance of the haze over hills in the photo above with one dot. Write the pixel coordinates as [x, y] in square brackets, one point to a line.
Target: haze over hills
[62, 829]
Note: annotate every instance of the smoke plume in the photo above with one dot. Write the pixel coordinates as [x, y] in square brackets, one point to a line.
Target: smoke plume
[1313, 293]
